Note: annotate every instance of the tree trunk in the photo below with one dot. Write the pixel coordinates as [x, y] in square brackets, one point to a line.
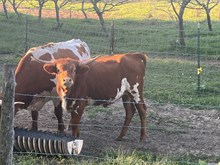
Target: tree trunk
[102, 22]
[16, 11]
[57, 13]
[40, 13]
[181, 32]
[209, 19]
[7, 117]
[83, 11]
[5, 8]
[100, 15]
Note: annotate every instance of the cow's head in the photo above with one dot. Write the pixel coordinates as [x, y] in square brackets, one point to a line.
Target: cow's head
[66, 70]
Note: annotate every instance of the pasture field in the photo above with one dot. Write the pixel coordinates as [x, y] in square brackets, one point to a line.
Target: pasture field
[137, 10]
[171, 71]
[177, 134]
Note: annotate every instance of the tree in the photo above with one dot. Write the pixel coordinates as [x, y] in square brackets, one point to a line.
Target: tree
[102, 6]
[208, 5]
[5, 8]
[40, 7]
[182, 6]
[82, 8]
[58, 5]
[15, 4]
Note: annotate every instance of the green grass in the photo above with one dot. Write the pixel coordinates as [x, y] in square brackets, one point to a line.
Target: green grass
[113, 157]
[140, 10]
[175, 81]
[171, 70]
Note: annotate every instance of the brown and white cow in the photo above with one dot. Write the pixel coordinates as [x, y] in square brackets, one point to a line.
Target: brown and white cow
[102, 82]
[33, 83]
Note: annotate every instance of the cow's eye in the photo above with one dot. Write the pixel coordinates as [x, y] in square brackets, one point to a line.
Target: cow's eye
[58, 70]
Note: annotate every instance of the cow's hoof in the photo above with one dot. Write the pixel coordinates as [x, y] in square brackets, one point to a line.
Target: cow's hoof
[142, 140]
[61, 129]
[119, 139]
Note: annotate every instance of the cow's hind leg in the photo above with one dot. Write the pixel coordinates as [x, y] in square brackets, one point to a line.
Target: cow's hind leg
[142, 109]
[129, 110]
[34, 115]
[59, 114]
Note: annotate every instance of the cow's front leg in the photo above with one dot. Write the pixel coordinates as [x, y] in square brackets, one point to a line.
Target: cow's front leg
[76, 115]
[59, 114]
[34, 115]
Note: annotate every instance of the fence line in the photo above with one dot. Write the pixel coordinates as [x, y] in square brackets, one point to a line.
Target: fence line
[7, 117]
[117, 39]
[155, 103]
[150, 127]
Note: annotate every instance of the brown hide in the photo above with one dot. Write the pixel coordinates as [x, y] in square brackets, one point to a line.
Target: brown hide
[106, 80]
[31, 79]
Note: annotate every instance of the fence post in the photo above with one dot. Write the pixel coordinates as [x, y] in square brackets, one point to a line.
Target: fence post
[199, 68]
[26, 33]
[7, 117]
[112, 38]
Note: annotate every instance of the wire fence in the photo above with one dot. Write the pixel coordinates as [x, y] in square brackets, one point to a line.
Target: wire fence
[39, 32]
[171, 70]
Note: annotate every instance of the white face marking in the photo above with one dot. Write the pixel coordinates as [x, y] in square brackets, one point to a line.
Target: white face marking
[125, 86]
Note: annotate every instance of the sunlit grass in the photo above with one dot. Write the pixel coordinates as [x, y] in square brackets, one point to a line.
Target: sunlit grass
[140, 10]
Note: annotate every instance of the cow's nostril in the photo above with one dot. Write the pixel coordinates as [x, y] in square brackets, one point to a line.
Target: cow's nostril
[64, 80]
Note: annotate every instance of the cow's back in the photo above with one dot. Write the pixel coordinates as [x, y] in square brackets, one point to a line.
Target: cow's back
[108, 76]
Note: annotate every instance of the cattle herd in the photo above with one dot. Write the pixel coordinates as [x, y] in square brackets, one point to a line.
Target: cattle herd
[65, 73]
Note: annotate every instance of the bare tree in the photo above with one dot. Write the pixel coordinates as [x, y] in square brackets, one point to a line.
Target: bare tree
[5, 8]
[182, 4]
[83, 10]
[15, 4]
[208, 5]
[39, 6]
[102, 6]
[58, 5]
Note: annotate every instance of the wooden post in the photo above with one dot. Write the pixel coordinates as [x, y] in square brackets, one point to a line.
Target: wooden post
[112, 38]
[7, 117]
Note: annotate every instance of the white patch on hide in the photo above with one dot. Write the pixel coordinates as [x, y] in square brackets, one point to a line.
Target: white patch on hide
[64, 104]
[70, 45]
[91, 101]
[125, 86]
[135, 93]
[54, 81]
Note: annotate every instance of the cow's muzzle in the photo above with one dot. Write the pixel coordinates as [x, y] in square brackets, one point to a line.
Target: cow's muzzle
[67, 82]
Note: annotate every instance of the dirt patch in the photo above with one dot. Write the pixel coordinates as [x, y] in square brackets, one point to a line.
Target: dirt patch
[172, 130]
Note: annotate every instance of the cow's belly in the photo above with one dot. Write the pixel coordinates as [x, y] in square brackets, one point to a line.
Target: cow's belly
[41, 99]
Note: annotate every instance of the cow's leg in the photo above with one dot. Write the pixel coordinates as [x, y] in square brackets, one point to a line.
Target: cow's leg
[76, 115]
[34, 115]
[129, 110]
[59, 114]
[142, 109]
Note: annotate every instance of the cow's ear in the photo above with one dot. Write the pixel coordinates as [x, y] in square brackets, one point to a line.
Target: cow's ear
[82, 69]
[50, 68]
